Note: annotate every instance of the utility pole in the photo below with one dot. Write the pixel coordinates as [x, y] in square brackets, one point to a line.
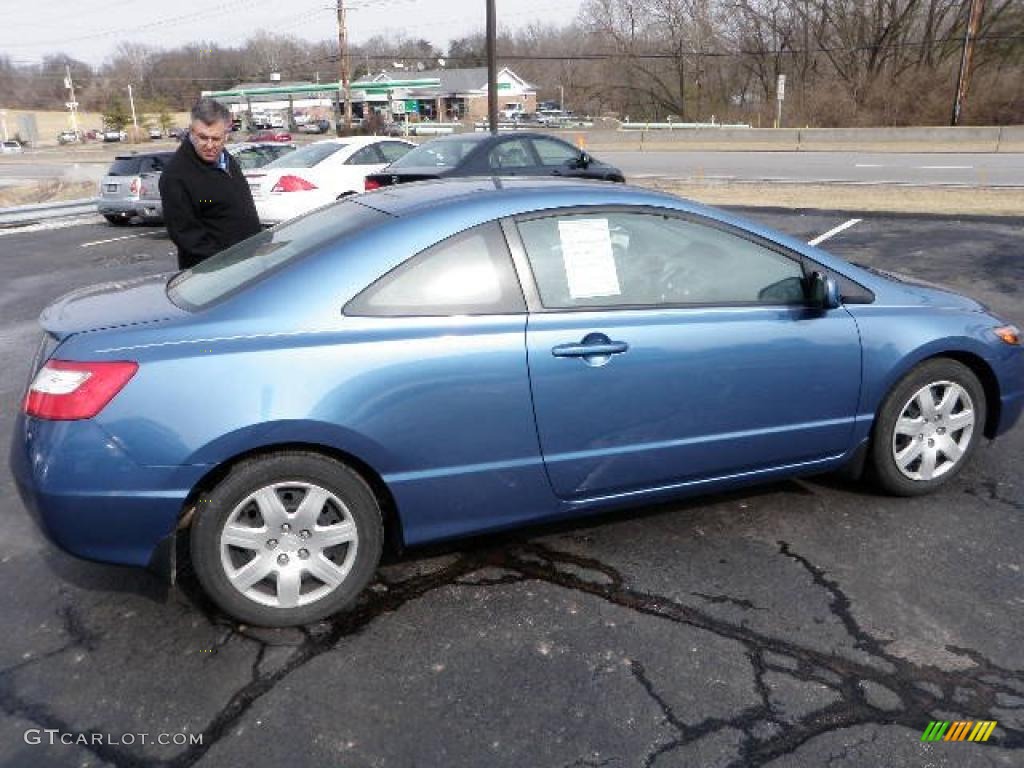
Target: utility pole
[492, 67]
[344, 86]
[973, 24]
[73, 104]
[131, 100]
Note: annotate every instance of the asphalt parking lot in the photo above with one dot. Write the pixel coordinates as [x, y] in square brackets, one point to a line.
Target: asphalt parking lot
[806, 623]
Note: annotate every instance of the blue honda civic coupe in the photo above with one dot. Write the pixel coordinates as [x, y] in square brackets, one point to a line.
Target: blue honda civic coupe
[445, 358]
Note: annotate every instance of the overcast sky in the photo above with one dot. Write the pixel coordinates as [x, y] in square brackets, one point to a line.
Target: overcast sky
[90, 31]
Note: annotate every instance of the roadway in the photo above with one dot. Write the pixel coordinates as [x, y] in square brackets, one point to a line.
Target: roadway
[925, 169]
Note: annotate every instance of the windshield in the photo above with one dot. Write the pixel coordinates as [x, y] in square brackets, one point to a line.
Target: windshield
[437, 154]
[307, 157]
[249, 261]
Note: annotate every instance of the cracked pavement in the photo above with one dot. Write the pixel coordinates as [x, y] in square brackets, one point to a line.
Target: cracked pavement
[804, 623]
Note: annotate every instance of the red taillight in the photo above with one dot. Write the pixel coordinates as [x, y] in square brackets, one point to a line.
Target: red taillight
[372, 184]
[66, 391]
[292, 184]
[134, 188]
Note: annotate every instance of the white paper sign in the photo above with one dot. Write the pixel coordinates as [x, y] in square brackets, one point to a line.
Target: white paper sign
[588, 259]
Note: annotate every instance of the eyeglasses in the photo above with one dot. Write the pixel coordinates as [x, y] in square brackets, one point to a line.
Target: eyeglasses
[200, 138]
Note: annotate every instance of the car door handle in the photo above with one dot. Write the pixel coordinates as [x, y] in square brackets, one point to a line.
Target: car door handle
[588, 350]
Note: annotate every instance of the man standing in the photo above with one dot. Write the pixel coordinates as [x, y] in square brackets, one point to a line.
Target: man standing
[206, 199]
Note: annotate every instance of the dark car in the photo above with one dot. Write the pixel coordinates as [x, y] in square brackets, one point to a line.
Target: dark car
[480, 154]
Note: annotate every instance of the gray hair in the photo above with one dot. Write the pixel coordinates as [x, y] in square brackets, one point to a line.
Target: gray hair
[210, 111]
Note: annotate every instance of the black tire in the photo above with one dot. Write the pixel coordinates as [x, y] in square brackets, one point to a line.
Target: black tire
[116, 220]
[341, 502]
[900, 462]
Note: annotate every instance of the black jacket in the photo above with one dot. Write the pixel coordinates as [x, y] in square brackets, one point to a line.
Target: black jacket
[205, 209]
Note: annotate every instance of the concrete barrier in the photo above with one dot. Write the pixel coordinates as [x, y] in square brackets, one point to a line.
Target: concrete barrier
[1011, 138]
[918, 139]
[921, 139]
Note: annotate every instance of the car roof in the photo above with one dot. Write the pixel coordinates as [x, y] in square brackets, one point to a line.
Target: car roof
[508, 196]
[356, 141]
[481, 137]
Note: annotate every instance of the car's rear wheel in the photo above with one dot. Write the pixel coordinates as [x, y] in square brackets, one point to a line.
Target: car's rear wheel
[927, 428]
[287, 539]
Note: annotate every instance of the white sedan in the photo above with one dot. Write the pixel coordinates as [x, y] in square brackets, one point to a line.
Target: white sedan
[319, 173]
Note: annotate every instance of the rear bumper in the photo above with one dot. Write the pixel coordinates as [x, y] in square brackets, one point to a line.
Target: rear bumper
[114, 207]
[89, 497]
[150, 210]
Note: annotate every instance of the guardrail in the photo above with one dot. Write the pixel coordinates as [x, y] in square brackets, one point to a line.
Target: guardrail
[29, 214]
[673, 126]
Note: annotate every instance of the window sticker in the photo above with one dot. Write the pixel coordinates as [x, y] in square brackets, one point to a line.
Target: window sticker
[588, 260]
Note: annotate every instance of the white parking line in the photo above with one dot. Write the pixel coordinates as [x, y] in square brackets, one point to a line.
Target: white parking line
[835, 231]
[945, 167]
[115, 239]
[868, 165]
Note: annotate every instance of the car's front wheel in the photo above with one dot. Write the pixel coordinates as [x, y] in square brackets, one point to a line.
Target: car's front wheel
[927, 428]
[287, 539]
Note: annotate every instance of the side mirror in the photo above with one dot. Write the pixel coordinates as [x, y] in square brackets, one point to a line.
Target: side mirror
[823, 292]
[582, 161]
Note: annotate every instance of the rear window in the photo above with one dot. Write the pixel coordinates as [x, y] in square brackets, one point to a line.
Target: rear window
[307, 157]
[437, 154]
[261, 255]
[125, 166]
[136, 164]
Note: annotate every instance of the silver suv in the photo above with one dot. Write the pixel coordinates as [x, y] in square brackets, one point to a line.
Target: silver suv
[249, 155]
[119, 190]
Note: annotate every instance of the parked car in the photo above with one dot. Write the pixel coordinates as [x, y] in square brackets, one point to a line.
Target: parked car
[315, 126]
[150, 206]
[442, 359]
[272, 134]
[155, 133]
[480, 154]
[121, 188]
[10, 147]
[113, 134]
[68, 137]
[319, 173]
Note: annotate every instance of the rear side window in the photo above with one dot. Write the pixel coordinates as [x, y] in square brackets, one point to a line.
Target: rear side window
[392, 150]
[307, 157]
[439, 153]
[470, 273]
[365, 156]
